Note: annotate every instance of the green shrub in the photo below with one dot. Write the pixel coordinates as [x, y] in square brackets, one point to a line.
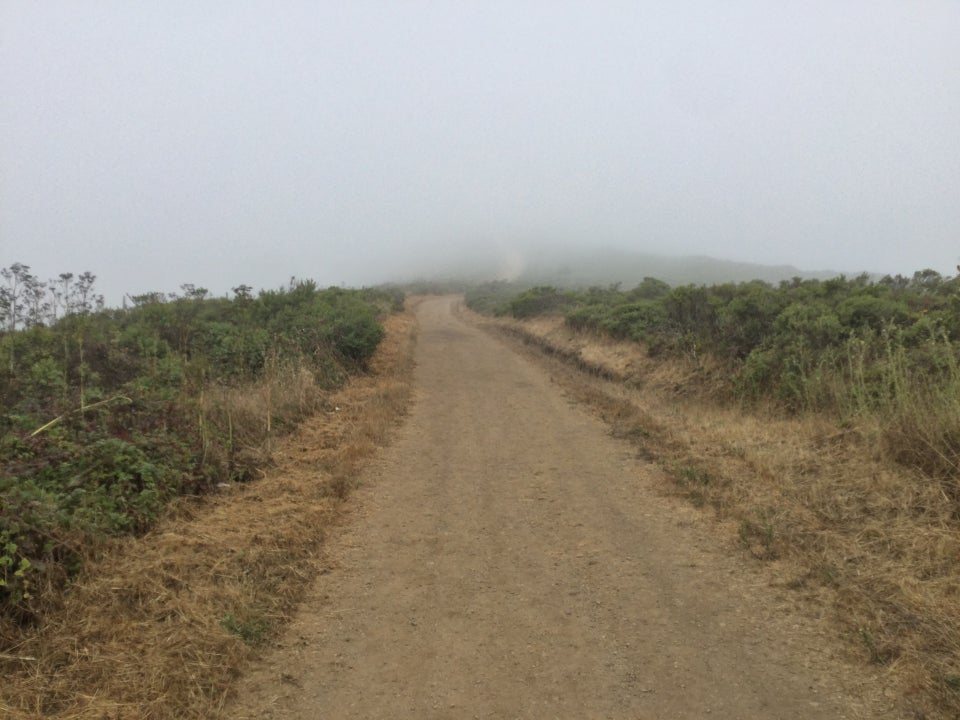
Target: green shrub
[116, 488]
[541, 300]
[73, 470]
[868, 312]
[649, 289]
[351, 326]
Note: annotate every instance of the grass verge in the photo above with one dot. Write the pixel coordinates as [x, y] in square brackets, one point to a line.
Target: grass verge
[161, 626]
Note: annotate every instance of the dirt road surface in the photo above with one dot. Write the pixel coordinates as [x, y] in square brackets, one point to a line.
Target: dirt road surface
[505, 557]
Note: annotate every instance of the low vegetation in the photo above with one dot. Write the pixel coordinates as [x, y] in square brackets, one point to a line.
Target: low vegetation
[818, 418]
[161, 625]
[885, 350]
[108, 414]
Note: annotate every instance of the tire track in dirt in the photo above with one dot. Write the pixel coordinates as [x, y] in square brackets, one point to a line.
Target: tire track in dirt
[506, 558]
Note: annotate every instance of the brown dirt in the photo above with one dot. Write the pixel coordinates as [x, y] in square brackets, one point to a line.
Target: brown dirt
[506, 557]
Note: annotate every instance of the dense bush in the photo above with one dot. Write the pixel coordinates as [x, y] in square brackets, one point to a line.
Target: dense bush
[107, 414]
[540, 300]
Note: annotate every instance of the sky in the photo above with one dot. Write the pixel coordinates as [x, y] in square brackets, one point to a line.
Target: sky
[227, 143]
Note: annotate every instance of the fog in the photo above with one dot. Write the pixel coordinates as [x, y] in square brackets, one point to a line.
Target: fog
[220, 143]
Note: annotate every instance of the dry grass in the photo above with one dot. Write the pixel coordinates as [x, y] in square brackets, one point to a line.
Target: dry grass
[240, 426]
[161, 626]
[874, 544]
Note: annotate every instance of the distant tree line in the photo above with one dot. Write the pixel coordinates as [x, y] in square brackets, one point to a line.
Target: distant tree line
[26, 301]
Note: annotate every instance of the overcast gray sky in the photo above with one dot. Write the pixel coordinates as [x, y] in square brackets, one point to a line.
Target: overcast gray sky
[234, 142]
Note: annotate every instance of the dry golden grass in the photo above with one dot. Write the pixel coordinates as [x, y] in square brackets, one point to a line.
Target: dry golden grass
[872, 543]
[161, 626]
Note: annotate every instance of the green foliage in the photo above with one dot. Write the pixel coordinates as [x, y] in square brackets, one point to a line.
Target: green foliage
[386, 299]
[350, 326]
[888, 350]
[863, 311]
[232, 351]
[746, 317]
[541, 300]
[73, 469]
[30, 534]
[788, 361]
[303, 320]
[649, 289]
[115, 487]
[46, 378]
[627, 321]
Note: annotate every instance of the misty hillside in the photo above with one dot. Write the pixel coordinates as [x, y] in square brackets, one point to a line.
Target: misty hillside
[604, 267]
[581, 268]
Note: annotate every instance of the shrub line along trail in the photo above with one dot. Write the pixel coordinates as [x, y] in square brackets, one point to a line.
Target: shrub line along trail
[505, 557]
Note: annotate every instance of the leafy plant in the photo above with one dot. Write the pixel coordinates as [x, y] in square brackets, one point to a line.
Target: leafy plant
[108, 414]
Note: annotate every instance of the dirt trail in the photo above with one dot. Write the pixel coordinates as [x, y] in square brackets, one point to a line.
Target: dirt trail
[506, 557]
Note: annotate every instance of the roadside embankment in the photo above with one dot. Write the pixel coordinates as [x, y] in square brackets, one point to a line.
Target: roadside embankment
[163, 624]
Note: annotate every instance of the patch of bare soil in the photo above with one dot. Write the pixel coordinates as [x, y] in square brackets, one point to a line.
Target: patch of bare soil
[161, 626]
[508, 557]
